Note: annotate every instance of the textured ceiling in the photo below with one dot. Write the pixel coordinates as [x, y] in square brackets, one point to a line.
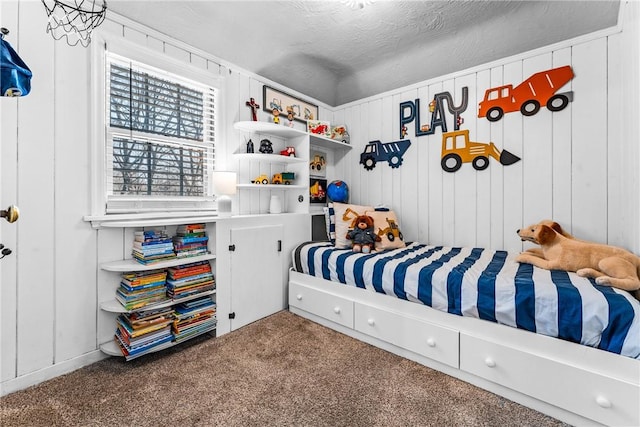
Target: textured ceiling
[336, 54]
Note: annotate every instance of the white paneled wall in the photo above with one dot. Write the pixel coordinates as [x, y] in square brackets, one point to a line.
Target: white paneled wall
[579, 166]
[576, 166]
[50, 290]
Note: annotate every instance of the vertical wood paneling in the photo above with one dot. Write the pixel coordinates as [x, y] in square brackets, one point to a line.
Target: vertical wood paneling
[372, 186]
[537, 160]
[496, 135]
[565, 167]
[407, 177]
[74, 240]
[449, 181]
[386, 135]
[8, 196]
[36, 197]
[422, 177]
[351, 157]
[589, 151]
[484, 179]
[360, 130]
[513, 186]
[465, 206]
[436, 177]
[561, 151]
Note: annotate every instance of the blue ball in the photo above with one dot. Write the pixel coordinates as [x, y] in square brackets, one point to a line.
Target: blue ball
[338, 191]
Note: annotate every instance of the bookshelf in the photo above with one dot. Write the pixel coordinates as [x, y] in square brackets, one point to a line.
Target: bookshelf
[253, 165]
[162, 299]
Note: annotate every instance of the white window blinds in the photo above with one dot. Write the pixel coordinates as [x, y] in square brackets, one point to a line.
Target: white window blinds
[161, 134]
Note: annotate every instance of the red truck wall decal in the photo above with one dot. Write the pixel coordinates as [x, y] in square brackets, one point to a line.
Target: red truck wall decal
[536, 91]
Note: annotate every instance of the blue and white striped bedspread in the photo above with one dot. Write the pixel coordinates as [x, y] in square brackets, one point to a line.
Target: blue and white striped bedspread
[489, 285]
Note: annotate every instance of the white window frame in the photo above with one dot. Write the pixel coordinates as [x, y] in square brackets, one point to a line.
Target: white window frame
[100, 92]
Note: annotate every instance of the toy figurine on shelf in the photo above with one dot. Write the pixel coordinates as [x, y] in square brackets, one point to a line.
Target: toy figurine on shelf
[276, 116]
[250, 146]
[266, 147]
[290, 115]
[251, 103]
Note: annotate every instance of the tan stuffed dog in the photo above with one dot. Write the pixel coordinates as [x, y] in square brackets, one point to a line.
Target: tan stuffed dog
[609, 265]
[554, 225]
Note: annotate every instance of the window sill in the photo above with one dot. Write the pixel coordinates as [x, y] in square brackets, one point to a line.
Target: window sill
[159, 219]
[150, 219]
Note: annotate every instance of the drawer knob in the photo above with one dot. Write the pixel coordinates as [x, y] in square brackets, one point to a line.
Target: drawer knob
[336, 310]
[490, 362]
[431, 342]
[299, 297]
[603, 402]
[371, 322]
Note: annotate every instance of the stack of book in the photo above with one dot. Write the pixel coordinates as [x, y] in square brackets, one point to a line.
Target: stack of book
[141, 288]
[152, 246]
[193, 318]
[190, 240]
[144, 331]
[189, 279]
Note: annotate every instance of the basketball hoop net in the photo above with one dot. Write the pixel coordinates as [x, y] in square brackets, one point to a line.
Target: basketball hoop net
[74, 19]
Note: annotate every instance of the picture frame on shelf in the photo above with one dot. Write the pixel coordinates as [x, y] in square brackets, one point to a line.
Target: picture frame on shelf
[273, 99]
[317, 191]
[318, 164]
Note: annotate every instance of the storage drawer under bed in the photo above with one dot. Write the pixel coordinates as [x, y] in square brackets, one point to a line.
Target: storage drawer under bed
[424, 338]
[323, 304]
[591, 394]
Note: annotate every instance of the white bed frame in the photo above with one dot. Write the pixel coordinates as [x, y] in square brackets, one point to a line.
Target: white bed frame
[573, 383]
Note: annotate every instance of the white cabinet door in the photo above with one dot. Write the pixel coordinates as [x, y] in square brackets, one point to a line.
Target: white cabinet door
[256, 273]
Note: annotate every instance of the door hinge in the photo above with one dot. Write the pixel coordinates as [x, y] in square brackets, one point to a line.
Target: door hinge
[232, 248]
[232, 315]
[279, 245]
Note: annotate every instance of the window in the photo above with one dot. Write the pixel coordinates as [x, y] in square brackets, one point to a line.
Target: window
[160, 139]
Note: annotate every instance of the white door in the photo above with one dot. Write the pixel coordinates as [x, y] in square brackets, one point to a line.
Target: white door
[257, 287]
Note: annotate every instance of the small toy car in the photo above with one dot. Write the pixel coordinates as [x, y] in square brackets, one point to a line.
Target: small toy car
[262, 179]
[289, 151]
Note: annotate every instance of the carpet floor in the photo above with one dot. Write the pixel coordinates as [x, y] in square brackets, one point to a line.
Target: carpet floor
[280, 371]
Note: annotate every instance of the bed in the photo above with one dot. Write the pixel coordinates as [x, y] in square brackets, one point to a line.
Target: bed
[551, 340]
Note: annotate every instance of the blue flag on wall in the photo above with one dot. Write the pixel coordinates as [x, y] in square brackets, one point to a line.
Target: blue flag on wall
[15, 76]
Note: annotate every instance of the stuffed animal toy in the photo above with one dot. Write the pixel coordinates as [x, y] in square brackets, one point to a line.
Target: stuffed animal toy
[608, 265]
[363, 235]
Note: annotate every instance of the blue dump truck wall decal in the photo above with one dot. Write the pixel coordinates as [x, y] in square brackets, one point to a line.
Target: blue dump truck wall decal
[391, 152]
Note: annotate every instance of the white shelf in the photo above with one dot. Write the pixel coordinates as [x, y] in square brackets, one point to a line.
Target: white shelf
[271, 186]
[269, 128]
[287, 132]
[321, 141]
[271, 158]
[114, 306]
[112, 349]
[133, 265]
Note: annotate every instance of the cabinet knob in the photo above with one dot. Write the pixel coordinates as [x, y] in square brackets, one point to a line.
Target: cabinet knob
[336, 310]
[299, 297]
[371, 322]
[431, 342]
[603, 402]
[490, 362]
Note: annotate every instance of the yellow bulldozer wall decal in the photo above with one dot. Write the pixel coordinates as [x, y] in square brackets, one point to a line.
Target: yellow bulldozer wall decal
[457, 149]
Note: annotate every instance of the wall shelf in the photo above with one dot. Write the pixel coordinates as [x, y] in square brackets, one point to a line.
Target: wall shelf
[133, 265]
[271, 186]
[112, 349]
[114, 306]
[271, 158]
[287, 132]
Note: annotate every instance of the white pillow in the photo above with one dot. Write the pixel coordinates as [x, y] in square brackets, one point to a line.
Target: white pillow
[344, 215]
